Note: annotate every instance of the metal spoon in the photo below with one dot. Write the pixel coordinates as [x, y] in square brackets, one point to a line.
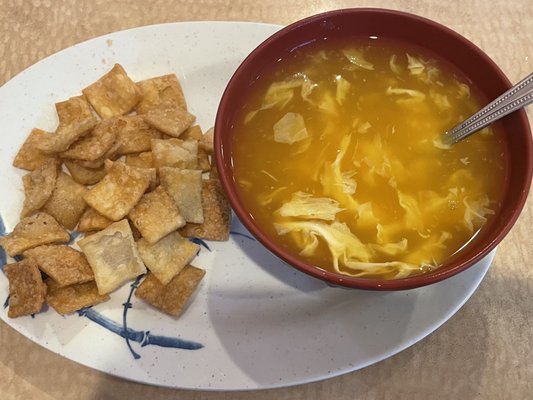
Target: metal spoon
[520, 95]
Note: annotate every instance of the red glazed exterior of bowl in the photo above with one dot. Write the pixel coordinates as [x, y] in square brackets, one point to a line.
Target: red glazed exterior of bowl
[445, 44]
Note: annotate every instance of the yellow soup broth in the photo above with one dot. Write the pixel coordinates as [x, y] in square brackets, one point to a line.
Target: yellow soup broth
[338, 157]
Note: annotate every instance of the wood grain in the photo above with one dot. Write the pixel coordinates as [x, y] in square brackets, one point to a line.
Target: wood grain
[483, 352]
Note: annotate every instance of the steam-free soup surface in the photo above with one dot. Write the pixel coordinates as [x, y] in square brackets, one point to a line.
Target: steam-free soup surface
[338, 156]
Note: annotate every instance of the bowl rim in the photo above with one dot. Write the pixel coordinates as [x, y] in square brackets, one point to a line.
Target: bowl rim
[345, 280]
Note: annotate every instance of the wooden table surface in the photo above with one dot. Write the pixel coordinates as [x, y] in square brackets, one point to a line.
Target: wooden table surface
[483, 352]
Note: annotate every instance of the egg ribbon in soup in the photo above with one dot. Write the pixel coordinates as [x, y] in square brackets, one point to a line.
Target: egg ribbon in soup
[338, 157]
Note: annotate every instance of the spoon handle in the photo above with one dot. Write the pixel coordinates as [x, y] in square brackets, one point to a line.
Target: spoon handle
[520, 95]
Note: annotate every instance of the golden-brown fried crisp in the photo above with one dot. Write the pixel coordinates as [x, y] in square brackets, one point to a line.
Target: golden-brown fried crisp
[29, 156]
[63, 264]
[207, 141]
[169, 118]
[185, 187]
[38, 186]
[159, 89]
[113, 94]
[151, 173]
[113, 256]
[66, 204]
[135, 135]
[156, 215]
[95, 144]
[171, 298]
[75, 109]
[203, 161]
[140, 160]
[217, 214]
[135, 232]
[83, 175]
[175, 153]
[92, 221]
[66, 300]
[26, 288]
[118, 192]
[213, 171]
[167, 257]
[35, 230]
[110, 154]
[195, 133]
[65, 135]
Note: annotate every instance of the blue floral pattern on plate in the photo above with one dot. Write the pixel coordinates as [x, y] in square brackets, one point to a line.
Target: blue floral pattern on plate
[145, 338]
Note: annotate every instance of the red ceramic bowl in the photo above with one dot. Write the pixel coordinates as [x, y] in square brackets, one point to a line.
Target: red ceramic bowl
[483, 74]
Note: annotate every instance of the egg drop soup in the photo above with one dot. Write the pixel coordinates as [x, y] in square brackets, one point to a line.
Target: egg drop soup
[338, 157]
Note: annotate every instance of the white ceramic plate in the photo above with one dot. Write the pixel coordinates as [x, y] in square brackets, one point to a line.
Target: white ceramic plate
[254, 322]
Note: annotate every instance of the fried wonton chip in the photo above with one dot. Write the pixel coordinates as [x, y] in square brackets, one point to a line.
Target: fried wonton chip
[185, 187]
[75, 109]
[156, 215]
[175, 153]
[135, 135]
[113, 256]
[159, 89]
[151, 173]
[95, 144]
[141, 160]
[63, 264]
[35, 230]
[213, 171]
[66, 300]
[135, 232]
[167, 257]
[116, 194]
[217, 214]
[113, 94]
[195, 133]
[169, 118]
[66, 204]
[92, 221]
[83, 175]
[29, 156]
[203, 161]
[65, 135]
[38, 186]
[26, 288]
[110, 154]
[206, 142]
[171, 298]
